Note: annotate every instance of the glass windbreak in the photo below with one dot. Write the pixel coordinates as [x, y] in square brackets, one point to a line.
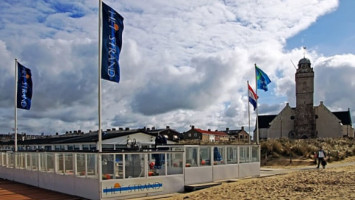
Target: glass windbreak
[80, 165]
[232, 155]
[34, 162]
[69, 164]
[255, 154]
[134, 165]
[50, 162]
[60, 163]
[218, 156]
[156, 164]
[107, 166]
[43, 162]
[118, 169]
[91, 165]
[244, 155]
[11, 162]
[205, 156]
[191, 156]
[21, 157]
[28, 159]
[174, 163]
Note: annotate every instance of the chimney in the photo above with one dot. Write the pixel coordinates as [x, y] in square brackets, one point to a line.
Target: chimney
[321, 102]
[192, 127]
[227, 129]
[153, 128]
[242, 128]
[209, 130]
[121, 129]
[108, 129]
[113, 129]
[127, 128]
[167, 127]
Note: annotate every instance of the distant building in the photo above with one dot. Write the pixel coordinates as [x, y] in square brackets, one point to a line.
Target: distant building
[112, 139]
[306, 120]
[205, 135]
[238, 135]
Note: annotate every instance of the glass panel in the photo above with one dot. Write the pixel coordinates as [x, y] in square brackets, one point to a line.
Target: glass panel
[191, 156]
[134, 165]
[11, 160]
[50, 162]
[107, 166]
[60, 163]
[91, 165]
[156, 164]
[232, 155]
[205, 156]
[218, 155]
[1, 159]
[28, 160]
[43, 162]
[76, 147]
[118, 166]
[174, 163]
[69, 164]
[80, 165]
[70, 147]
[34, 162]
[255, 154]
[244, 154]
[21, 160]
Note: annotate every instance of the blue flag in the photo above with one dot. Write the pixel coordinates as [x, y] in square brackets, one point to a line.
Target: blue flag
[112, 28]
[24, 87]
[262, 80]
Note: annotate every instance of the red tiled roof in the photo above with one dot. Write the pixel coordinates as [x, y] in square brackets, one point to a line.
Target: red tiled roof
[219, 133]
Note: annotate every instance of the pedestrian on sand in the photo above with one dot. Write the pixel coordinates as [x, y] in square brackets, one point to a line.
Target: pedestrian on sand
[321, 157]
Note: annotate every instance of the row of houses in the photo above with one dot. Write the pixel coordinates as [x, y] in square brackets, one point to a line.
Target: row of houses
[120, 139]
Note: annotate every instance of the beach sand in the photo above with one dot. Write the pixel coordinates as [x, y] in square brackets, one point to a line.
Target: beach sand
[331, 183]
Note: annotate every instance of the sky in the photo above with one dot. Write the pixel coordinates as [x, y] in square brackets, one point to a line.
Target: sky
[182, 63]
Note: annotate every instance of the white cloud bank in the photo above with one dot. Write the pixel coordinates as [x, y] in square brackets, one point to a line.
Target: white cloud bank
[182, 62]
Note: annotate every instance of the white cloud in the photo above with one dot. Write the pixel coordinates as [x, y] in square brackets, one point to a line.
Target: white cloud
[182, 62]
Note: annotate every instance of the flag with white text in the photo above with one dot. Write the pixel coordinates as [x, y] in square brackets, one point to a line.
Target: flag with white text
[112, 28]
[24, 87]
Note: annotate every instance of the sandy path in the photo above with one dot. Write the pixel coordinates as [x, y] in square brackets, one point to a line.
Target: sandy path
[331, 183]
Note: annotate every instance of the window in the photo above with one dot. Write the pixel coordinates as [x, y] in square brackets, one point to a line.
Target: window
[174, 163]
[191, 156]
[134, 165]
[205, 156]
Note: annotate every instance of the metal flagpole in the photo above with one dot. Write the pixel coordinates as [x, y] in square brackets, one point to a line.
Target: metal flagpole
[99, 144]
[248, 108]
[99, 78]
[257, 109]
[16, 77]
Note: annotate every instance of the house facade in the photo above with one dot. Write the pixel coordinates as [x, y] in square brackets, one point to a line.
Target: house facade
[205, 135]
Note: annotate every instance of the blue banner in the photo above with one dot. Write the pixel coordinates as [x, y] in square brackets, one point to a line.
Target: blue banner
[24, 87]
[112, 28]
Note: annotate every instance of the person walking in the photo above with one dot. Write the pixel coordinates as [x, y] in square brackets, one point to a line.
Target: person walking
[321, 157]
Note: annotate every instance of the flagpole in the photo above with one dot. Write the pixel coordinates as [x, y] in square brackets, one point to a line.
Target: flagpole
[248, 108]
[257, 108]
[16, 76]
[99, 78]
